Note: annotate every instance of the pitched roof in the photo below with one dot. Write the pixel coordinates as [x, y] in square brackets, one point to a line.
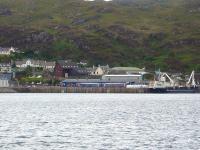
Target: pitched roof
[67, 63]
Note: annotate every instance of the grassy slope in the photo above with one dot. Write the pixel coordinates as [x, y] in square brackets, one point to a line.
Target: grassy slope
[176, 20]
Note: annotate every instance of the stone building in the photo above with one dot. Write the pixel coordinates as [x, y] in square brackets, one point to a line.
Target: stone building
[63, 68]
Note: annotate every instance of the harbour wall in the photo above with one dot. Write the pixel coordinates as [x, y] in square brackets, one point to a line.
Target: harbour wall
[57, 89]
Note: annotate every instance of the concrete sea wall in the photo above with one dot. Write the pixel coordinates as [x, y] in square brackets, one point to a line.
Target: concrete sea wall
[77, 90]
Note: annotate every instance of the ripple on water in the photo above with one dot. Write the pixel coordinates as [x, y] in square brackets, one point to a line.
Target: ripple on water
[99, 121]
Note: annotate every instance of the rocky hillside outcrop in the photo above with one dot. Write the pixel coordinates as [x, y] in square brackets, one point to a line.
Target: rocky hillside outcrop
[152, 33]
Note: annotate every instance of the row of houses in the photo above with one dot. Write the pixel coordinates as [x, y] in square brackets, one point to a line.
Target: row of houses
[35, 63]
[63, 69]
[66, 68]
[61, 66]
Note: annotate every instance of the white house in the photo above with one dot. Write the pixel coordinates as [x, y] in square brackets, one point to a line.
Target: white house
[100, 70]
[7, 51]
[35, 63]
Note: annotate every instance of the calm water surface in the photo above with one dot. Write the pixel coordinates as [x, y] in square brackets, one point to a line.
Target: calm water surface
[99, 121]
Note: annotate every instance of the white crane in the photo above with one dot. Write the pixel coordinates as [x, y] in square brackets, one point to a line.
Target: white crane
[191, 80]
[170, 79]
[162, 83]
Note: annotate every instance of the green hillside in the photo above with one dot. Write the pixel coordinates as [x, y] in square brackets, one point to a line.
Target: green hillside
[152, 33]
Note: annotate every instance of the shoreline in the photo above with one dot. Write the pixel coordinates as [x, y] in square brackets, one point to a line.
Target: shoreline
[58, 89]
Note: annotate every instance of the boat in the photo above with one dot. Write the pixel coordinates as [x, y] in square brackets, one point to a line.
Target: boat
[174, 90]
[162, 86]
[182, 90]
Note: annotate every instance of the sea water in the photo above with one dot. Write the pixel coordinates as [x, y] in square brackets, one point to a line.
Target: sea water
[99, 121]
